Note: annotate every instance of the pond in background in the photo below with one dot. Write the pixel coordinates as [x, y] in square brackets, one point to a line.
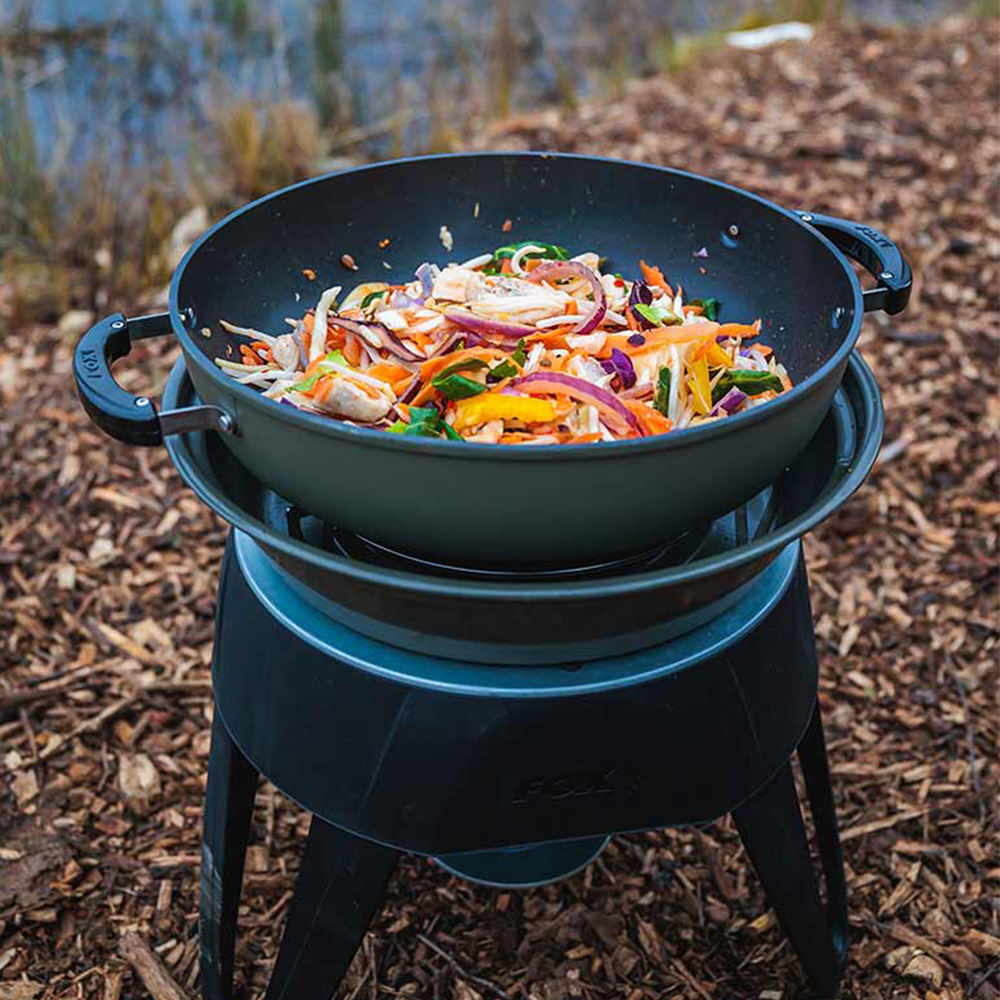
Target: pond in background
[386, 77]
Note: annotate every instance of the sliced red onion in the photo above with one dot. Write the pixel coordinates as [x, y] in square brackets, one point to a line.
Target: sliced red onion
[640, 391]
[371, 353]
[490, 329]
[412, 389]
[400, 300]
[641, 294]
[452, 339]
[385, 336]
[620, 364]
[732, 400]
[425, 274]
[300, 344]
[552, 270]
[614, 413]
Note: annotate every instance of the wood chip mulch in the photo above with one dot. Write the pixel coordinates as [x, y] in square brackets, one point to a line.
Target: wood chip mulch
[108, 571]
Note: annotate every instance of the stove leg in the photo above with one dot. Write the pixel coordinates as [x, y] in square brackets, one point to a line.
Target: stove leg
[340, 886]
[771, 827]
[229, 798]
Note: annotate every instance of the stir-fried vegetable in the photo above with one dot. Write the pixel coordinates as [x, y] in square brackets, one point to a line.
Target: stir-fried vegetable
[524, 345]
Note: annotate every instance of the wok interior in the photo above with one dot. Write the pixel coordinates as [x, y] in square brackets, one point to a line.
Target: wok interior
[759, 262]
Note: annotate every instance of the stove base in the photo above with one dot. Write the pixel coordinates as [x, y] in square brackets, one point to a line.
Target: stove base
[508, 776]
[342, 878]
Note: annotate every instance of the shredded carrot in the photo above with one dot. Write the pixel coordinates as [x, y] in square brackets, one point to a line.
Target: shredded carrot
[505, 267]
[430, 368]
[658, 337]
[564, 406]
[425, 395]
[693, 311]
[653, 422]
[745, 330]
[553, 337]
[583, 439]
[352, 350]
[633, 323]
[313, 365]
[250, 356]
[388, 372]
[572, 309]
[654, 276]
[560, 364]
[763, 349]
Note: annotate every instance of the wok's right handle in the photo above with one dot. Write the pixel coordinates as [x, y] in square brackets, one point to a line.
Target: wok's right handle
[128, 418]
[876, 253]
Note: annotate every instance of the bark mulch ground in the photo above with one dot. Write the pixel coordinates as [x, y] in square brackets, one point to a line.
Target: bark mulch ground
[108, 571]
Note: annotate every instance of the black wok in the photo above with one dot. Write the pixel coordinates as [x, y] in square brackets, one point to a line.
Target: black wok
[507, 504]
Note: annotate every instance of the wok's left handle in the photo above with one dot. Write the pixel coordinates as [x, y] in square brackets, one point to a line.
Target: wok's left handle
[876, 253]
[128, 418]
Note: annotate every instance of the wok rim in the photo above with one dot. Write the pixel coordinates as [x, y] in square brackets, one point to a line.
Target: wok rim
[857, 470]
[349, 433]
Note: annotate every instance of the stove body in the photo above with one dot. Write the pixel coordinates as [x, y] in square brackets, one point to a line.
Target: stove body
[438, 756]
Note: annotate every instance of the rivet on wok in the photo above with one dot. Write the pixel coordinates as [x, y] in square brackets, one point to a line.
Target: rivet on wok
[734, 230]
[805, 217]
[118, 324]
[142, 401]
[886, 275]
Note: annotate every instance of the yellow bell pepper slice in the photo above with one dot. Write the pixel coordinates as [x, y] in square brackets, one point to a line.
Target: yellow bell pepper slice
[701, 391]
[494, 406]
[717, 357]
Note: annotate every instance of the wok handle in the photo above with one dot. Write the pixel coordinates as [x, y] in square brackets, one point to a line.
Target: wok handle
[876, 253]
[128, 418]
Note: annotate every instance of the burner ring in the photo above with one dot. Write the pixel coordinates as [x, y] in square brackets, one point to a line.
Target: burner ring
[673, 552]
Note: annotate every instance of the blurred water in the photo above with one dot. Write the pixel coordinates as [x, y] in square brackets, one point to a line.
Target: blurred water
[137, 79]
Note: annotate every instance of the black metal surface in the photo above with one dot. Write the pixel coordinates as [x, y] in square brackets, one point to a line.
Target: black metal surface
[532, 618]
[771, 827]
[452, 501]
